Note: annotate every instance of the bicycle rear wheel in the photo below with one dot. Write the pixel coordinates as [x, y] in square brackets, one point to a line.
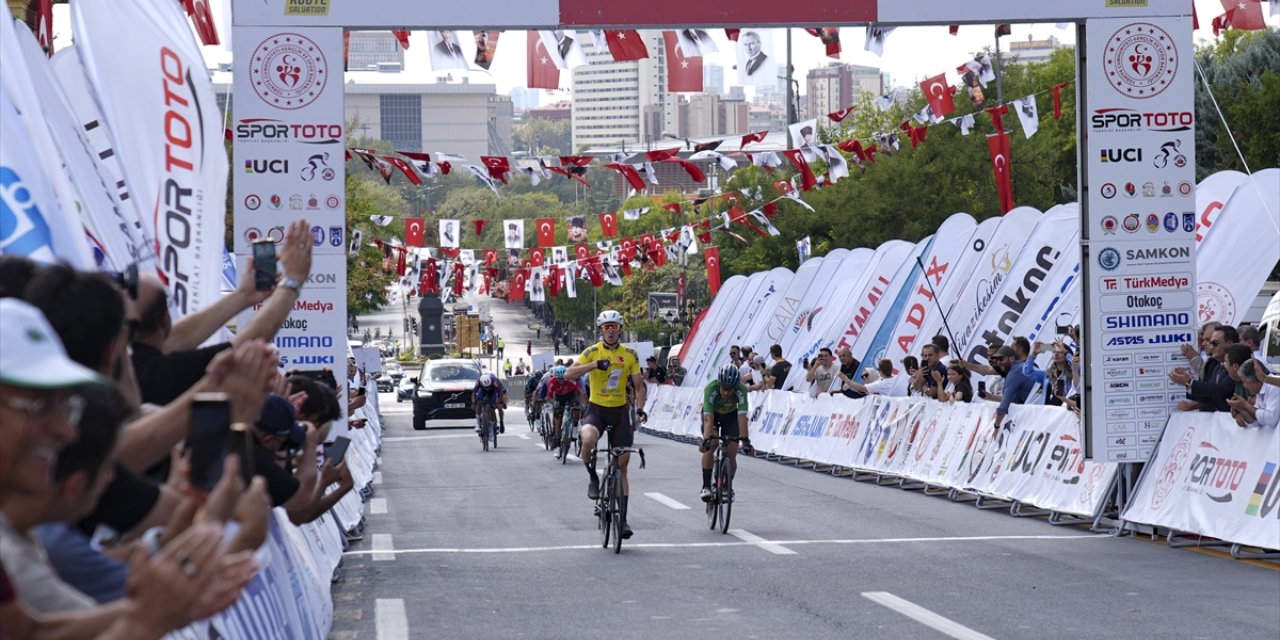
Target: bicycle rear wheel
[713, 506]
[615, 505]
[606, 518]
[725, 496]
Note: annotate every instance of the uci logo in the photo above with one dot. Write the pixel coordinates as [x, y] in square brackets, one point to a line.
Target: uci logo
[23, 229]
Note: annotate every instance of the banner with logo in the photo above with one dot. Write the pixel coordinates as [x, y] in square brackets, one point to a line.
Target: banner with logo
[1211, 195]
[696, 354]
[1239, 252]
[759, 310]
[149, 77]
[1051, 307]
[1138, 227]
[884, 316]
[817, 329]
[1212, 478]
[816, 300]
[853, 316]
[774, 326]
[759, 297]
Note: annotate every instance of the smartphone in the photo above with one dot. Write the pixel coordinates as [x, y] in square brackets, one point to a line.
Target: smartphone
[264, 265]
[337, 450]
[982, 388]
[208, 438]
[1060, 387]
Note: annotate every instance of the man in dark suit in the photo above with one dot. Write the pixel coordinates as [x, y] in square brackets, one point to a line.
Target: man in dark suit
[448, 45]
[755, 57]
[566, 42]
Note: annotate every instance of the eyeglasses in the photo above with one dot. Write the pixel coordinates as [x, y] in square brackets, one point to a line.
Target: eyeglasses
[615, 326]
[71, 407]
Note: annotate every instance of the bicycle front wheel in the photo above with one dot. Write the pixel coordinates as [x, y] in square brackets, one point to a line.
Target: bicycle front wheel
[615, 502]
[725, 495]
[606, 518]
[713, 506]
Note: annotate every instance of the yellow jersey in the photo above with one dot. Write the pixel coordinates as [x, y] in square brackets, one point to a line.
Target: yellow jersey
[609, 387]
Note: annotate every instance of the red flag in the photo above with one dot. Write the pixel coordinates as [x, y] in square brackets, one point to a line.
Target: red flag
[543, 73]
[414, 230]
[546, 231]
[625, 44]
[661, 154]
[515, 291]
[609, 224]
[771, 210]
[837, 116]
[953, 29]
[997, 116]
[752, 137]
[674, 207]
[480, 224]
[870, 152]
[430, 277]
[998, 145]
[459, 273]
[1245, 15]
[712, 257]
[592, 265]
[401, 268]
[645, 243]
[692, 169]
[553, 280]
[537, 256]
[683, 73]
[1057, 99]
[581, 252]
[498, 167]
[732, 34]
[450, 252]
[575, 161]
[829, 36]
[628, 251]
[657, 252]
[938, 93]
[404, 168]
[629, 172]
[490, 256]
[914, 134]
[198, 10]
[808, 181]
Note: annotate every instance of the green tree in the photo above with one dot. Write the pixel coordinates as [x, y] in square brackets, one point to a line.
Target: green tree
[367, 279]
[542, 137]
[1243, 73]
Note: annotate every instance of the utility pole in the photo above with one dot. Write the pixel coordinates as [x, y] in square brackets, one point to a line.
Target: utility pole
[999, 72]
[791, 115]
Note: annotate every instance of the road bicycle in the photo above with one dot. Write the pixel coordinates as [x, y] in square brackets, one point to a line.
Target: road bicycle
[547, 426]
[569, 433]
[720, 504]
[488, 426]
[609, 505]
[529, 416]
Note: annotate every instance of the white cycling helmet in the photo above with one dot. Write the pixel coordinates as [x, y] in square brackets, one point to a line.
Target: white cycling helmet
[607, 316]
[486, 380]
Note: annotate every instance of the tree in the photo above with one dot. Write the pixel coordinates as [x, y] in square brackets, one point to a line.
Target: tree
[1243, 72]
[367, 280]
[543, 137]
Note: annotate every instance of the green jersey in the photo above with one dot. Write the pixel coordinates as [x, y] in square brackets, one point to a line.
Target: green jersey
[713, 402]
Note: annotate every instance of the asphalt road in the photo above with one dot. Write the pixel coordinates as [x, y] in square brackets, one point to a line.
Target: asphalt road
[466, 544]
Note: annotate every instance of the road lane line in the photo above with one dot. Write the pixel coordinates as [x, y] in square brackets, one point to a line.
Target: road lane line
[377, 505]
[666, 500]
[377, 477]
[771, 547]
[924, 616]
[738, 543]
[383, 549]
[390, 618]
[522, 436]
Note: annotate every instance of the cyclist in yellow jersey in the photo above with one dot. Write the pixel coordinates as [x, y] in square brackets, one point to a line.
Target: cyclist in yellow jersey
[608, 366]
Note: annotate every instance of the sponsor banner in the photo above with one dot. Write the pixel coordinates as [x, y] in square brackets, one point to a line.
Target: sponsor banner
[815, 305]
[1233, 261]
[968, 262]
[698, 356]
[987, 279]
[288, 136]
[147, 72]
[759, 305]
[854, 319]
[1211, 195]
[773, 327]
[335, 13]
[953, 243]
[871, 344]
[817, 330]
[1139, 222]
[1212, 478]
[1038, 461]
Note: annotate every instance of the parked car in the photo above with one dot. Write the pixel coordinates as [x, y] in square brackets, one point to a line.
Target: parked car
[442, 391]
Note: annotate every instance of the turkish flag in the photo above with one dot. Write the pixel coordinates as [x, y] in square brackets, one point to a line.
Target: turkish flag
[997, 116]
[938, 93]
[581, 252]
[480, 224]
[629, 172]
[515, 291]
[808, 181]
[414, 230]
[543, 73]
[609, 224]
[712, 257]
[657, 252]
[430, 277]
[546, 231]
[752, 137]
[837, 116]
[683, 73]
[459, 274]
[536, 256]
[404, 168]
[645, 243]
[498, 167]
[692, 169]
[732, 34]
[490, 256]
[628, 250]
[401, 267]
[673, 207]
[593, 271]
[402, 37]
[998, 145]
[553, 280]
[661, 154]
[625, 44]
[1248, 14]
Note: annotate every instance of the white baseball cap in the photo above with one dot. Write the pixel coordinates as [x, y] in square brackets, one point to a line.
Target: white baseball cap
[32, 355]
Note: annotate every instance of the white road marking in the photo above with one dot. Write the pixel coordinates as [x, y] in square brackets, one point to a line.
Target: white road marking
[377, 477]
[695, 545]
[771, 547]
[924, 616]
[666, 500]
[383, 549]
[392, 623]
[522, 436]
[573, 457]
[377, 505]
[441, 436]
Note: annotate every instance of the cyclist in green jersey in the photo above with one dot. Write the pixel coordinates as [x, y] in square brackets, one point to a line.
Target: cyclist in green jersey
[724, 412]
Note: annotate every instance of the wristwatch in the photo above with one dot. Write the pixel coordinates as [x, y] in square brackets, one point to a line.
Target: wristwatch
[290, 283]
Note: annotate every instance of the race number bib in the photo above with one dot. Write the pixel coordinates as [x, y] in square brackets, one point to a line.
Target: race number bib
[615, 377]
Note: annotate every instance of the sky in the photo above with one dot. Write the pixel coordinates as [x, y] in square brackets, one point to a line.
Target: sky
[910, 54]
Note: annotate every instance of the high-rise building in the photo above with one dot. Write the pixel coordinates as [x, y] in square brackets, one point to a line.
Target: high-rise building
[617, 103]
[1032, 50]
[367, 49]
[700, 116]
[837, 86]
[713, 79]
[524, 99]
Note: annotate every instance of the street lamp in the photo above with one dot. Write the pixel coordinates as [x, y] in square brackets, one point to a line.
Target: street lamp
[687, 143]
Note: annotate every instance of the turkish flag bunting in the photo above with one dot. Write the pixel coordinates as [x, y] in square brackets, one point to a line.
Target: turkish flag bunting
[870, 152]
[609, 224]
[953, 29]
[480, 224]
[571, 172]
[683, 73]
[1245, 15]
[808, 181]
[829, 36]
[553, 280]
[627, 252]
[998, 145]
[546, 231]
[625, 44]
[674, 207]
[198, 10]
[516, 289]
[401, 267]
[414, 230]
[450, 252]
[712, 257]
[402, 37]
[543, 73]
[644, 243]
[752, 137]
[537, 256]
[997, 116]
[430, 277]
[1057, 99]
[707, 146]
[404, 168]
[581, 252]
[445, 167]
[732, 34]
[575, 161]
[420, 161]
[490, 256]
[771, 210]
[498, 167]
[690, 168]
[915, 134]
[938, 93]
[838, 116]
[661, 154]
[459, 274]
[629, 173]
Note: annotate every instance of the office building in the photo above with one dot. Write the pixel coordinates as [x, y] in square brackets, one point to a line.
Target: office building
[838, 85]
[366, 50]
[524, 99]
[622, 103]
[1032, 50]
[562, 110]
[712, 79]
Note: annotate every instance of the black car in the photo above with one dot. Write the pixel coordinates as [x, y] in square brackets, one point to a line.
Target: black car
[442, 391]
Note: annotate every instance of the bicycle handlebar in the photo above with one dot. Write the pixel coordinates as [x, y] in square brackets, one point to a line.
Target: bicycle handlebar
[617, 451]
